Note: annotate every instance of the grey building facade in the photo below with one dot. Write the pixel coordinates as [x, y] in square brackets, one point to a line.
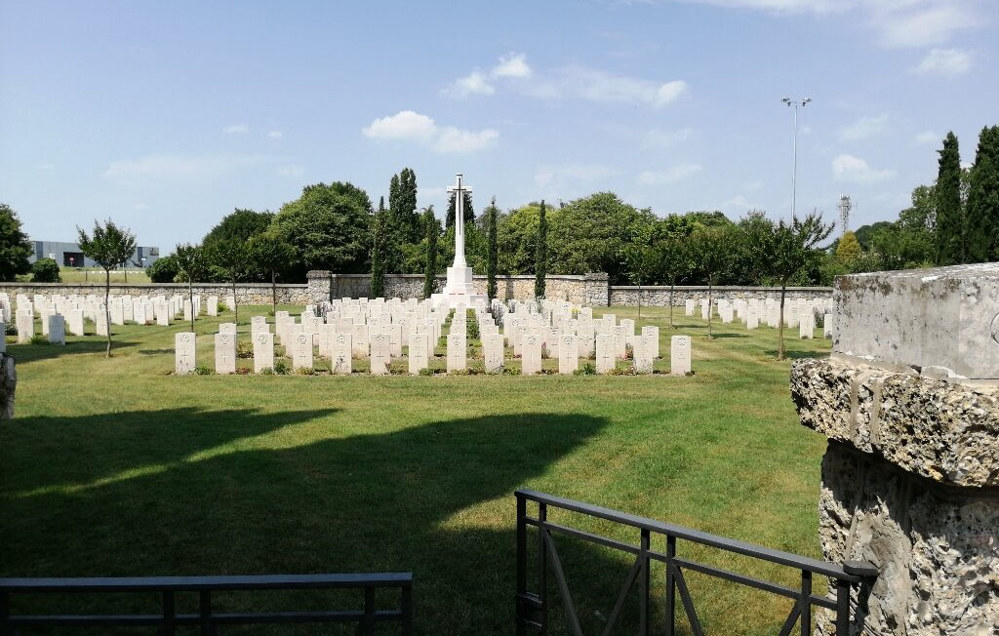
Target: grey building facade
[70, 255]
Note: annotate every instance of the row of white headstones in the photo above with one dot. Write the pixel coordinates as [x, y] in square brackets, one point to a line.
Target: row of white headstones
[753, 313]
[379, 330]
[61, 314]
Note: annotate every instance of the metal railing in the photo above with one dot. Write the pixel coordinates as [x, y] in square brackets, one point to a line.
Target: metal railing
[168, 587]
[532, 607]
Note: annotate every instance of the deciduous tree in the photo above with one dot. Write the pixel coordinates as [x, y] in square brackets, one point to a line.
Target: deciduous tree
[192, 265]
[109, 246]
[15, 249]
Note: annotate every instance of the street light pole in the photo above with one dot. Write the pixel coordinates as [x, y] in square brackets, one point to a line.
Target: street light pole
[794, 148]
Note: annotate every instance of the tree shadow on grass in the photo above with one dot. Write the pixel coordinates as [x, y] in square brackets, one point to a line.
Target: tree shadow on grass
[434, 499]
[797, 355]
[730, 335]
[25, 353]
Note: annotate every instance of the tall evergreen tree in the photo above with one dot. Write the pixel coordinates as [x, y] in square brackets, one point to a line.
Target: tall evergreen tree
[379, 231]
[15, 248]
[949, 211]
[467, 208]
[493, 254]
[402, 206]
[430, 272]
[541, 254]
[982, 218]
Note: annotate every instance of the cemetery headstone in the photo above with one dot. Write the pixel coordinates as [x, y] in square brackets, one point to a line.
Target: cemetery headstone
[530, 359]
[340, 362]
[418, 352]
[185, 349]
[456, 352]
[568, 357]
[492, 349]
[606, 358]
[225, 353]
[679, 355]
[381, 353]
[57, 329]
[263, 351]
[302, 351]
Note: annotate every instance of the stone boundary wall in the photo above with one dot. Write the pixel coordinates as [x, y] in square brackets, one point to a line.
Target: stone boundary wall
[246, 293]
[588, 289]
[659, 296]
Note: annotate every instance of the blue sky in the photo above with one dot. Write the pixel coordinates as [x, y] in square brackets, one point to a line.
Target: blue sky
[166, 116]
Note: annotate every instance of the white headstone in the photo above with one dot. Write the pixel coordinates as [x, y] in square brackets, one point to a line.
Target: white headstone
[492, 350]
[302, 351]
[225, 353]
[679, 355]
[228, 327]
[418, 352]
[688, 307]
[340, 361]
[806, 324]
[185, 352]
[653, 334]
[57, 329]
[263, 351]
[568, 354]
[101, 322]
[606, 358]
[25, 326]
[381, 353]
[212, 305]
[359, 337]
[456, 352]
[828, 322]
[645, 346]
[530, 357]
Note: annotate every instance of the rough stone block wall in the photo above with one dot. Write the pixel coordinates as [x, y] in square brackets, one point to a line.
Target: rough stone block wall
[659, 296]
[246, 293]
[910, 482]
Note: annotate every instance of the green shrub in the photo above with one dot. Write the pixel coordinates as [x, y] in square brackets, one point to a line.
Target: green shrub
[222, 308]
[427, 371]
[586, 369]
[281, 366]
[244, 349]
[203, 370]
[39, 339]
[164, 270]
[45, 270]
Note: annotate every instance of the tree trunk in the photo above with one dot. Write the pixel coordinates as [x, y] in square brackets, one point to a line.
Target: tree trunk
[671, 285]
[235, 305]
[274, 292]
[107, 307]
[780, 322]
[190, 299]
[639, 301]
[710, 334]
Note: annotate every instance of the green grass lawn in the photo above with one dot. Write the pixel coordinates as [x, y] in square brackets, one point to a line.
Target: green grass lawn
[134, 276]
[115, 467]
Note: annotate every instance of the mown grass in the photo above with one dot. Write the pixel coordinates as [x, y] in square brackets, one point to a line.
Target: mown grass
[134, 276]
[116, 467]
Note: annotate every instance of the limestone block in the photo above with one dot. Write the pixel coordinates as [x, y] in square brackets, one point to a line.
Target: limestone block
[225, 353]
[679, 355]
[263, 350]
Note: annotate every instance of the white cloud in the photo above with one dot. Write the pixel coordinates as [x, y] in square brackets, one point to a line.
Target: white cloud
[667, 138]
[236, 129]
[405, 125]
[408, 125]
[140, 207]
[945, 62]
[275, 134]
[927, 137]
[513, 65]
[290, 170]
[864, 128]
[474, 83]
[600, 86]
[852, 169]
[676, 173]
[166, 166]
[898, 23]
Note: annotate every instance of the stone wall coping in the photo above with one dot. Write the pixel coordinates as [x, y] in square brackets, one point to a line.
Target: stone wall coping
[180, 286]
[940, 430]
[720, 288]
[480, 276]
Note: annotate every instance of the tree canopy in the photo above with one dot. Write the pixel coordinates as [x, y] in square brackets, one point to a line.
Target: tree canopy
[15, 250]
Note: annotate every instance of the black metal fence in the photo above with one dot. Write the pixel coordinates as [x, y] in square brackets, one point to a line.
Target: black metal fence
[209, 621]
[532, 607]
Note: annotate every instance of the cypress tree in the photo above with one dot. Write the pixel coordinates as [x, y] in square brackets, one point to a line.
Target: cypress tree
[430, 272]
[541, 255]
[950, 213]
[493, 256]
[408, 219]
[982, 218]
[377, 257]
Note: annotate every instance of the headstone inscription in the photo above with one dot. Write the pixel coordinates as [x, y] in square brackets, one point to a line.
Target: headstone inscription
[530, 359]
[302, 354]
[418, 352]
[340, 362]
[456, 358]
[225, 353]
[606, 360]
[492, 350]
[568, 354]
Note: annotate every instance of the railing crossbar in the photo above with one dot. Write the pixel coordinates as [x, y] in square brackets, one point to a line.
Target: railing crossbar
[749, 581]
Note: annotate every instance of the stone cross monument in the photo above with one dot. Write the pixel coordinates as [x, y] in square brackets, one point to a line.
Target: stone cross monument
[460, 289]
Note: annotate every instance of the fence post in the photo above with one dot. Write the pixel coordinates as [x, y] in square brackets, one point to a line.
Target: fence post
[168, 613]
[806, 603]
[842, 607]
[543, 566]
[407, 609]
[643, 599]
[670, 586]
[368, 627]
[521, 564]
[205, 598]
